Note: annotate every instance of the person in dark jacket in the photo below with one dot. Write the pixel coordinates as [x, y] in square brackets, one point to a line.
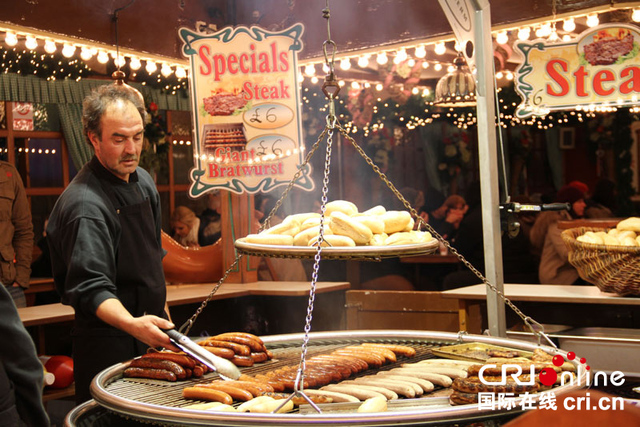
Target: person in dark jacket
[104, 235]
[21, 373]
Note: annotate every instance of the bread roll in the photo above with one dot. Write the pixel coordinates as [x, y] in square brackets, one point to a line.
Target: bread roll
[614, 232]
[422, 236]
[303, 237]
[594, 238]
[345, 226]
[610, 240]
[376, 210]
[343, 206]
[632, 223]
[395, 221]
[301, 217]
[375, 223]
[409, 226]
[626, 233]
[313, 222]
[401, 238]
[288, 228]
[373, 404]
[629, 241]
[270, 239]
[334, 240]
[378, 239]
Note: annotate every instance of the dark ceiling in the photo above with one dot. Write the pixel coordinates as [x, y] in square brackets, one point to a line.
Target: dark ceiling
[151, 25]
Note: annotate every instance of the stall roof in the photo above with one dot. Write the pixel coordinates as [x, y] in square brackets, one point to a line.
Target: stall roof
[151, 25]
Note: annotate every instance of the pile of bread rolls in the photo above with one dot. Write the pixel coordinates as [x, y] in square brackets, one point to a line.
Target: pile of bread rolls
[344, 226]
[626, 233]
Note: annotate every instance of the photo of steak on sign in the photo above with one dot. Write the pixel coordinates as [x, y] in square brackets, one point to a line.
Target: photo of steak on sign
[600, 68]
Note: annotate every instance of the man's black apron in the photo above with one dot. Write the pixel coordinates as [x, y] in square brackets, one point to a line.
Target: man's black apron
[140, 288]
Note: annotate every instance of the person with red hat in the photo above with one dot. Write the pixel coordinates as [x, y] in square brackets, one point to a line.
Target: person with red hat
[554, 265]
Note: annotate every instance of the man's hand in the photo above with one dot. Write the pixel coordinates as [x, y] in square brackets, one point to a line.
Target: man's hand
[147, 329]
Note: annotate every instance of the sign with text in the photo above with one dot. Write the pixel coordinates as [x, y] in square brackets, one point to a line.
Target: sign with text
[599, 68]
[22, 116]
[246, 104]
[460, 16]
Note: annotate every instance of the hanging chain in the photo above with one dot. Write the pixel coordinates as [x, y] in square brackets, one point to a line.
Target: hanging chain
[532, 324]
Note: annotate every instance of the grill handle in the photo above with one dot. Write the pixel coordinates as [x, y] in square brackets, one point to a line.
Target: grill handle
[225, 368]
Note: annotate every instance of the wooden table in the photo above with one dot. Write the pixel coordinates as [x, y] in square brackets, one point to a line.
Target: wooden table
[36, 285]
[477, 294]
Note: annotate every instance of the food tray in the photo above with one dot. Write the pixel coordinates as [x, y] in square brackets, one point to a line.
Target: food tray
[353, 252]
[474, 351]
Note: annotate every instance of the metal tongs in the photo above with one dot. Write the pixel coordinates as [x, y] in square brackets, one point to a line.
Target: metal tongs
[225, 368]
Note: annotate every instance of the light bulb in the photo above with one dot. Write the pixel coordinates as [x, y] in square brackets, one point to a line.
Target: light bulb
[420, 52]
[363, 61]
[402, 55]
[438, 66]
[509, 75]
[355, 85]
[50, 47]
[120, 61]
[151, 66]
[85, 54]
[379, 87]
[181, 73]
[524, 33]
[440, 48]
[103, 57]
[635, 15]
[10, 38]
[553, 37]
[314, 79]
[569, 25]
[499, 75]
[425, 65]
[135, 64]
[166, 70]
[345, 64]
[415, 91]
[381, 58]
[68, 50]
[566, 38]
[502, 37]
[310, 70]
[31, 43]
[451, 68]
[592, 20]
[325, 68]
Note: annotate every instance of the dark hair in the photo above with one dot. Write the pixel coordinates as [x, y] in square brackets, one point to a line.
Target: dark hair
[97, 102]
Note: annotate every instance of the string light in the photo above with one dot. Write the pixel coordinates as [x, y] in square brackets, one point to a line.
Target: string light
[103, 57]
[181, 73]
[502, 37]
[31, 43]
[166, 70]
[569, 25]
[68, 50]
[420, 52]
[381, 58]
[10, 38]
[401, 56]
[151, 67]
[345, 64]
[86, 54]
[440, 48]
[310, 70]
[524, 33]
[363, 61]
[135, 64]
[592, 20]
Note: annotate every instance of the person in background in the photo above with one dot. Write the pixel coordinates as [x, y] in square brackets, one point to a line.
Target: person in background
[16, 234]
[104, 235]
[554, 267]
[446, 218]
[603, 201]
[210, 222]
[185, 225]
[21, 373]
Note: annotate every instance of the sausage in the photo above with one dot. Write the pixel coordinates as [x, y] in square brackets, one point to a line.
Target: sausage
[236, 393]
[156, 374]
[203, 393]
[242, 360]
[355, 391]
[385, 391]
[437, 379]
[299, 400]
[167, 365]
[226, 353]
[372, 359]
[360, 365]
[336, 396]
[198, 371]
[474, 385]
[426, 386]
[252, 343]
[254, 387]
[181, 359]
[259, 357]
[402, 388]
[459, 398]
[450, 372]
[402, 350]
[238, 349]
[277, 386]
[388, 355]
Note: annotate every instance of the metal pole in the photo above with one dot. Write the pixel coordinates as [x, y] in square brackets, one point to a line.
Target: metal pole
[488, 159]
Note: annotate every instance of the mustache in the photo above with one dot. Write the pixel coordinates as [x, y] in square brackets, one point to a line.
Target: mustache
[130, 157]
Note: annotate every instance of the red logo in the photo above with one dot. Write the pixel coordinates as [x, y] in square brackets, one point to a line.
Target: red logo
[548, 376]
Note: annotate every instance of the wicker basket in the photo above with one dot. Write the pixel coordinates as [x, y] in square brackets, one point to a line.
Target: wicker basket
[610, 268]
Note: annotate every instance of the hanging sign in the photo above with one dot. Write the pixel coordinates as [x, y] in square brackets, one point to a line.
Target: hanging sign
[22, 116]
[246, 109]
[600, 68]
[460, 16]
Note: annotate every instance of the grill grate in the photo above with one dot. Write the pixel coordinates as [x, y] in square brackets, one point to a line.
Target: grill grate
[169, 394]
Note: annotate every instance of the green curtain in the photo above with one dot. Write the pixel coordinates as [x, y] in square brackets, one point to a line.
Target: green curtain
[68, 96]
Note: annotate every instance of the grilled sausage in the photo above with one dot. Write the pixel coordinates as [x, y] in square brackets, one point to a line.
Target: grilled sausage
[167, 365]
[402, 350]
[156, 374]
[204, 393]
[181, 359]
[226, 353]
[228, 387]
[238, 349]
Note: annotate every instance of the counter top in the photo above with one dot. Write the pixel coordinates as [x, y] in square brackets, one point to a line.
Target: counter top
[545, 293]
